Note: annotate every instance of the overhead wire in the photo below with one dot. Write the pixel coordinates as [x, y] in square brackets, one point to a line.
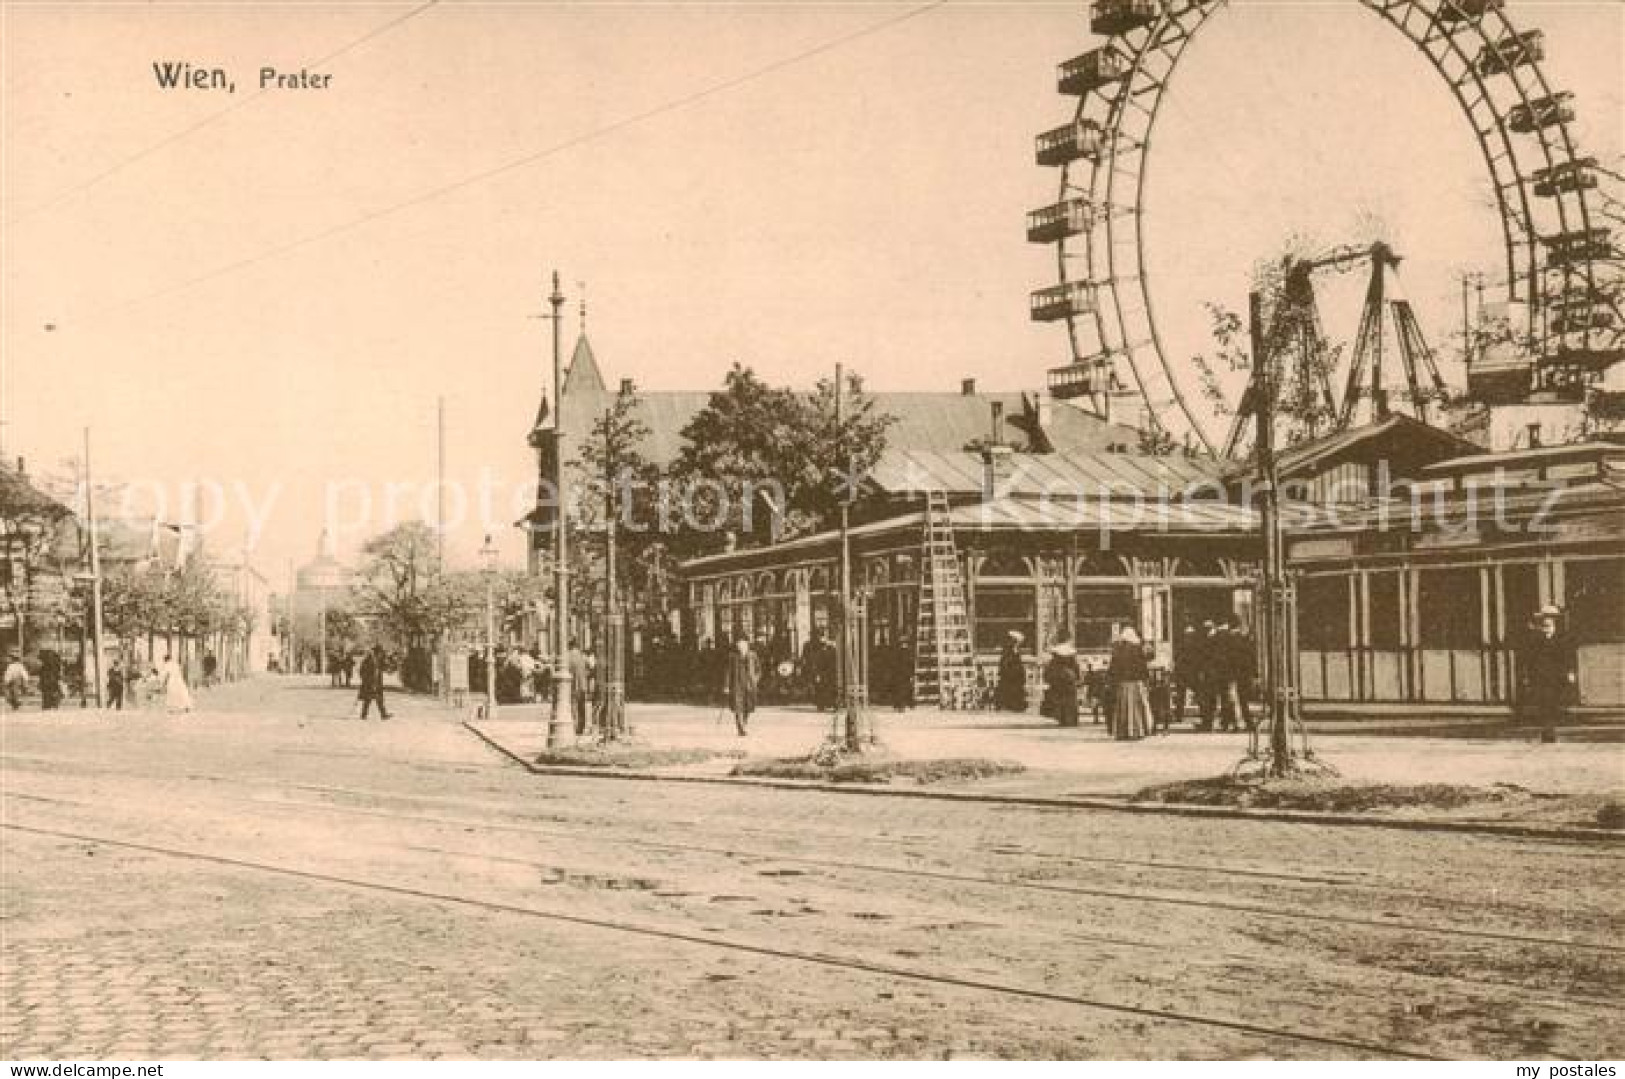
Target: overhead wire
[442, 190]
[170, 140]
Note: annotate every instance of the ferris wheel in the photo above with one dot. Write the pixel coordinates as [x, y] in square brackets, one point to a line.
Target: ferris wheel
[1563, 271]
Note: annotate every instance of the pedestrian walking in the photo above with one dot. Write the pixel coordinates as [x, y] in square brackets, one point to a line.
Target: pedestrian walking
[741, 677]
[1548, 667]
[115, 687]
[210, 666]
[372, 682]
[177, 697]
[16, 682]
[1128, 673]
[1011, 693]
[1060, 701]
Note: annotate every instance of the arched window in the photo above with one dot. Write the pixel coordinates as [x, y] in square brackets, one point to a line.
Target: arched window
[1188, 566]
[1004, 565]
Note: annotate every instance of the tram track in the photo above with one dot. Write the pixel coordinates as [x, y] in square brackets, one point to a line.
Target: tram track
[848, 963]
[919, 873]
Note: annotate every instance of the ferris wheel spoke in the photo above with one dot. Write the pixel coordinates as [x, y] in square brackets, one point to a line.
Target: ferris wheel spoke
[1543, 188]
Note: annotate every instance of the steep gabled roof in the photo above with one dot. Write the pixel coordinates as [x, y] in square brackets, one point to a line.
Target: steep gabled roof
[1398, 438]
[943, 423]
[583, 377]
[18, 496]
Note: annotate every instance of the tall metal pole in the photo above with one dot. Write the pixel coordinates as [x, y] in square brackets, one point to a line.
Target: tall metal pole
[440, 536]
[560, 720]
[1273, 636]
[847, 666]
[322, 592]
[95, 576]
[292, 640]
[614, 617]
[490, 646]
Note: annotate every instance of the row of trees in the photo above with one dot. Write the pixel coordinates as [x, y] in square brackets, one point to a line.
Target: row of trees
[750, 437]
[149, 601]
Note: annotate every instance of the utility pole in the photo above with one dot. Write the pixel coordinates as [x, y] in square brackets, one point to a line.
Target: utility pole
[560, 720]
[614, 618]
[488, 556]
[848, 668]
[1277, 622]
[440, 536]
[95, 576]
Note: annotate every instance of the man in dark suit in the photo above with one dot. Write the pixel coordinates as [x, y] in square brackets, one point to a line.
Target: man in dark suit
[575, 662]
[1548, 667]
[372, 682]
[743, 673]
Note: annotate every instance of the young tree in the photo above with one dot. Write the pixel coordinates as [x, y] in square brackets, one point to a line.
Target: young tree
[34, 533]
[397, 568]
[754, 443]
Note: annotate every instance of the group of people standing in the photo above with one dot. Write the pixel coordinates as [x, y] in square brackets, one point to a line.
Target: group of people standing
[1131, 691]
[130, 683]
[1124, 694]
[1214, 668]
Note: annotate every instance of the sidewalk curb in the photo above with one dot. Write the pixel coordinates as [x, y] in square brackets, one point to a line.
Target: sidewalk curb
[1117, 805]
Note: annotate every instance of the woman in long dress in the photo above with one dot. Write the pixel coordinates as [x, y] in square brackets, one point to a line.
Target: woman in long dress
[1131, 708]
[1061, 685]
[177, 698]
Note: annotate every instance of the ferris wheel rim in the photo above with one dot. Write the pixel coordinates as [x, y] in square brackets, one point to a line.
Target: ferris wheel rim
[1465, 40]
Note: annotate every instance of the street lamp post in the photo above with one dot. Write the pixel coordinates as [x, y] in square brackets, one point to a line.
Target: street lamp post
[560, 721]
[851, 720]
[95, 576]
[614, 719]
[488, 556]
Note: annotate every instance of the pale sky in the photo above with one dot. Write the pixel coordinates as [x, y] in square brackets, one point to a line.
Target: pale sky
[769, 184]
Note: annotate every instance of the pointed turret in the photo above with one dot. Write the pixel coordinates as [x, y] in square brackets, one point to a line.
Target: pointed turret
[543, 424]
[584, 378]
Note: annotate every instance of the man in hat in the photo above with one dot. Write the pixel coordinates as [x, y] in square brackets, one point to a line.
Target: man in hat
[1548, 666]
[741, 677]
[1204, 662]
[1010, 695]
[372, 682]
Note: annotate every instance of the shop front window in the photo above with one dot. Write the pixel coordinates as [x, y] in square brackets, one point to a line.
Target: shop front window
[1323, 613]
[1002, 608]
[1098, 610]
[1448, 600]
[1596, 600]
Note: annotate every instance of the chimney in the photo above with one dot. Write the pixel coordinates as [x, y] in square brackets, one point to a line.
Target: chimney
[627, 388]
[22, 466]
[998, 423]
[998, 465]
[967, 387]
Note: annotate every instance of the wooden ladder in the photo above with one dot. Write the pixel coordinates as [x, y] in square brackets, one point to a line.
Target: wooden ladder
[944, 659]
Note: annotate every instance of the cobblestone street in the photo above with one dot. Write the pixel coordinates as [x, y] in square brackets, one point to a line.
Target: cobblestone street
[270, 878]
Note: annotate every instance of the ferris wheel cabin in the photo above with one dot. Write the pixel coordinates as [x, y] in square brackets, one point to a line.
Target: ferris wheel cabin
[1108, 18]
[1460, 11]
[1542, 112]
[1057, 222]
[1578, 246]
[1062, 301]
[1085, 74]
[1069, 143]
[1500, 57]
